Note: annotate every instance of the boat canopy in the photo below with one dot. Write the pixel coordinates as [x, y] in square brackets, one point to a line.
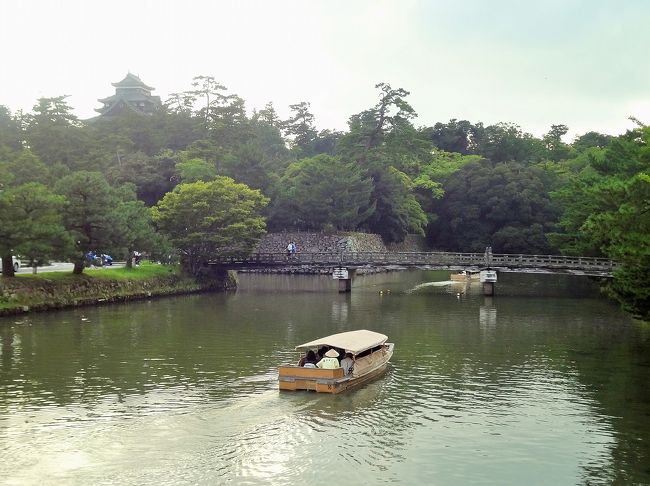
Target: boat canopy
[353, 342]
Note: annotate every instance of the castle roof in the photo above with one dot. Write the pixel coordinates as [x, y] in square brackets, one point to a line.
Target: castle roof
[131, 81]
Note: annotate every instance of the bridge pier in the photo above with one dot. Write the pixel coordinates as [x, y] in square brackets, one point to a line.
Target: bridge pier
[489, 281]
[344, 276]
[488, 289]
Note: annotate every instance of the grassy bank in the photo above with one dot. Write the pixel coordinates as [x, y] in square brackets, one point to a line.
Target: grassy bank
[144, 271]
[55, 290]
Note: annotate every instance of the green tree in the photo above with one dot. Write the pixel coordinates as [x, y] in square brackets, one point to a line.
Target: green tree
[300, 128]
[181, 103]
[578, 199]
[624, 233]
[26, 167]
[55, 135]
[369, 128]
[488, 206]
[153, 176]
[193, 170]
[209, 219]
[556, 149]
[210, 92]
[593, 185]
[440, 165]
[30, 224]
[322, 192]
[129, 132]
[453, 136]
[269, 116]
[505, 142]
[326, 142]
[391, 151]
[397, 210]
[11, 136]
[590, 140]
[606, 212]
[90, 215]
[135, 227]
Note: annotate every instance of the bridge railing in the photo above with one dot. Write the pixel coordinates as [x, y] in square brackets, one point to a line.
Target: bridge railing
[423, 258]
[552, 261]
[414, 258]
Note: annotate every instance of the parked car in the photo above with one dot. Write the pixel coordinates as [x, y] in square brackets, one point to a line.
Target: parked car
[98, 260]
[15, 261]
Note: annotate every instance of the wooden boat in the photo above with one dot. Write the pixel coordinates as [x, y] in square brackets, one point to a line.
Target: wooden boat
[370, 353]
[464, 276]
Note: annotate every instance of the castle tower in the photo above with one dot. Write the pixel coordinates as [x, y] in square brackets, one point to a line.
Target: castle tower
[130, 94]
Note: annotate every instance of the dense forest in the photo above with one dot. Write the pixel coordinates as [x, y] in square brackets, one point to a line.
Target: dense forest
[204, 176]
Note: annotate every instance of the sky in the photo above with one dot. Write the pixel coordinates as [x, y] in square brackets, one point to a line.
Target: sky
[582, 63]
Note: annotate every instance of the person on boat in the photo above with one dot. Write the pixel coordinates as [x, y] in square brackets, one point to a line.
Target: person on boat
[321, 353]
[346, 363]
[310, 360]
[330, 361]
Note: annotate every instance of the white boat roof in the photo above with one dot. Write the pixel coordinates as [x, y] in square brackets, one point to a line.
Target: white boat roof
[352, 341]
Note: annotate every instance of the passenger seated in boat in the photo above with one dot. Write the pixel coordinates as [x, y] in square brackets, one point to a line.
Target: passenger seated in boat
[321, 353]
[310, 360]
[329, 362]
[346, 363]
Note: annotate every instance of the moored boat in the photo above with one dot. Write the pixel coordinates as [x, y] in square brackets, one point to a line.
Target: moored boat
[370, 356]
[464, 276]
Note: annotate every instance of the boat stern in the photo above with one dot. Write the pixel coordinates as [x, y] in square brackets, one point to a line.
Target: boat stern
[294, 378]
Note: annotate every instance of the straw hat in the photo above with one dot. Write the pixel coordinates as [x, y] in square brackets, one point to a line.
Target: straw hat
[332, 353]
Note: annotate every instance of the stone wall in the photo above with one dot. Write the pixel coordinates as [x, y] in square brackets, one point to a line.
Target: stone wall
[334, 242]
[305, 242]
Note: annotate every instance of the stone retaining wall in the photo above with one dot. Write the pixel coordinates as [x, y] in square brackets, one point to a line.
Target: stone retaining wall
[334, 242]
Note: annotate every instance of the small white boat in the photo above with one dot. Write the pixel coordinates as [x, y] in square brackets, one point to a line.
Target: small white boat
[464, 276]
[370, 354]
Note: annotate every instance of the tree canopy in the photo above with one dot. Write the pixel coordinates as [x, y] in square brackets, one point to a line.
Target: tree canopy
[209, 219]
[321, 192]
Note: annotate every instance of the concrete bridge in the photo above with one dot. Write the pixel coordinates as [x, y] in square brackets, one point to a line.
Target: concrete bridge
[590, 266]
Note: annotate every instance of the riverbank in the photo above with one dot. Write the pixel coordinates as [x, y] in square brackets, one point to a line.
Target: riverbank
[59, 290]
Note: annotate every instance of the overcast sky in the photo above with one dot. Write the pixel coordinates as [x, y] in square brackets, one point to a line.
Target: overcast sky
[583, 63]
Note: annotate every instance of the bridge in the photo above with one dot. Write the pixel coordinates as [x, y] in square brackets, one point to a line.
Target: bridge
[589, 266]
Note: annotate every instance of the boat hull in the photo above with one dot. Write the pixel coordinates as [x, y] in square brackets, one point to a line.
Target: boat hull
[294, 378]
[457, 277]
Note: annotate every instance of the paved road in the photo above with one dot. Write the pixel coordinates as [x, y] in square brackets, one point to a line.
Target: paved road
[62, 267]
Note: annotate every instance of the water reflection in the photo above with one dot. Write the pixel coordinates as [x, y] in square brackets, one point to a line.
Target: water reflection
[340, 308]
[488, 316]
[505, 390]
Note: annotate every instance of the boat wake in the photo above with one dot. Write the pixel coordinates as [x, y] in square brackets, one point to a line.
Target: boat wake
[421, 286]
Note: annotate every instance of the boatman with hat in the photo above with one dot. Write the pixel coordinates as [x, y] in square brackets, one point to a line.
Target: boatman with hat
[330, 361]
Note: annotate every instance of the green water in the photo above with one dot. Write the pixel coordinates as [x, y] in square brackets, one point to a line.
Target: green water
[545, 383]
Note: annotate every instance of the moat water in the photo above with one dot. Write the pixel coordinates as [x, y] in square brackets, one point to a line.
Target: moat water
[546, 382]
